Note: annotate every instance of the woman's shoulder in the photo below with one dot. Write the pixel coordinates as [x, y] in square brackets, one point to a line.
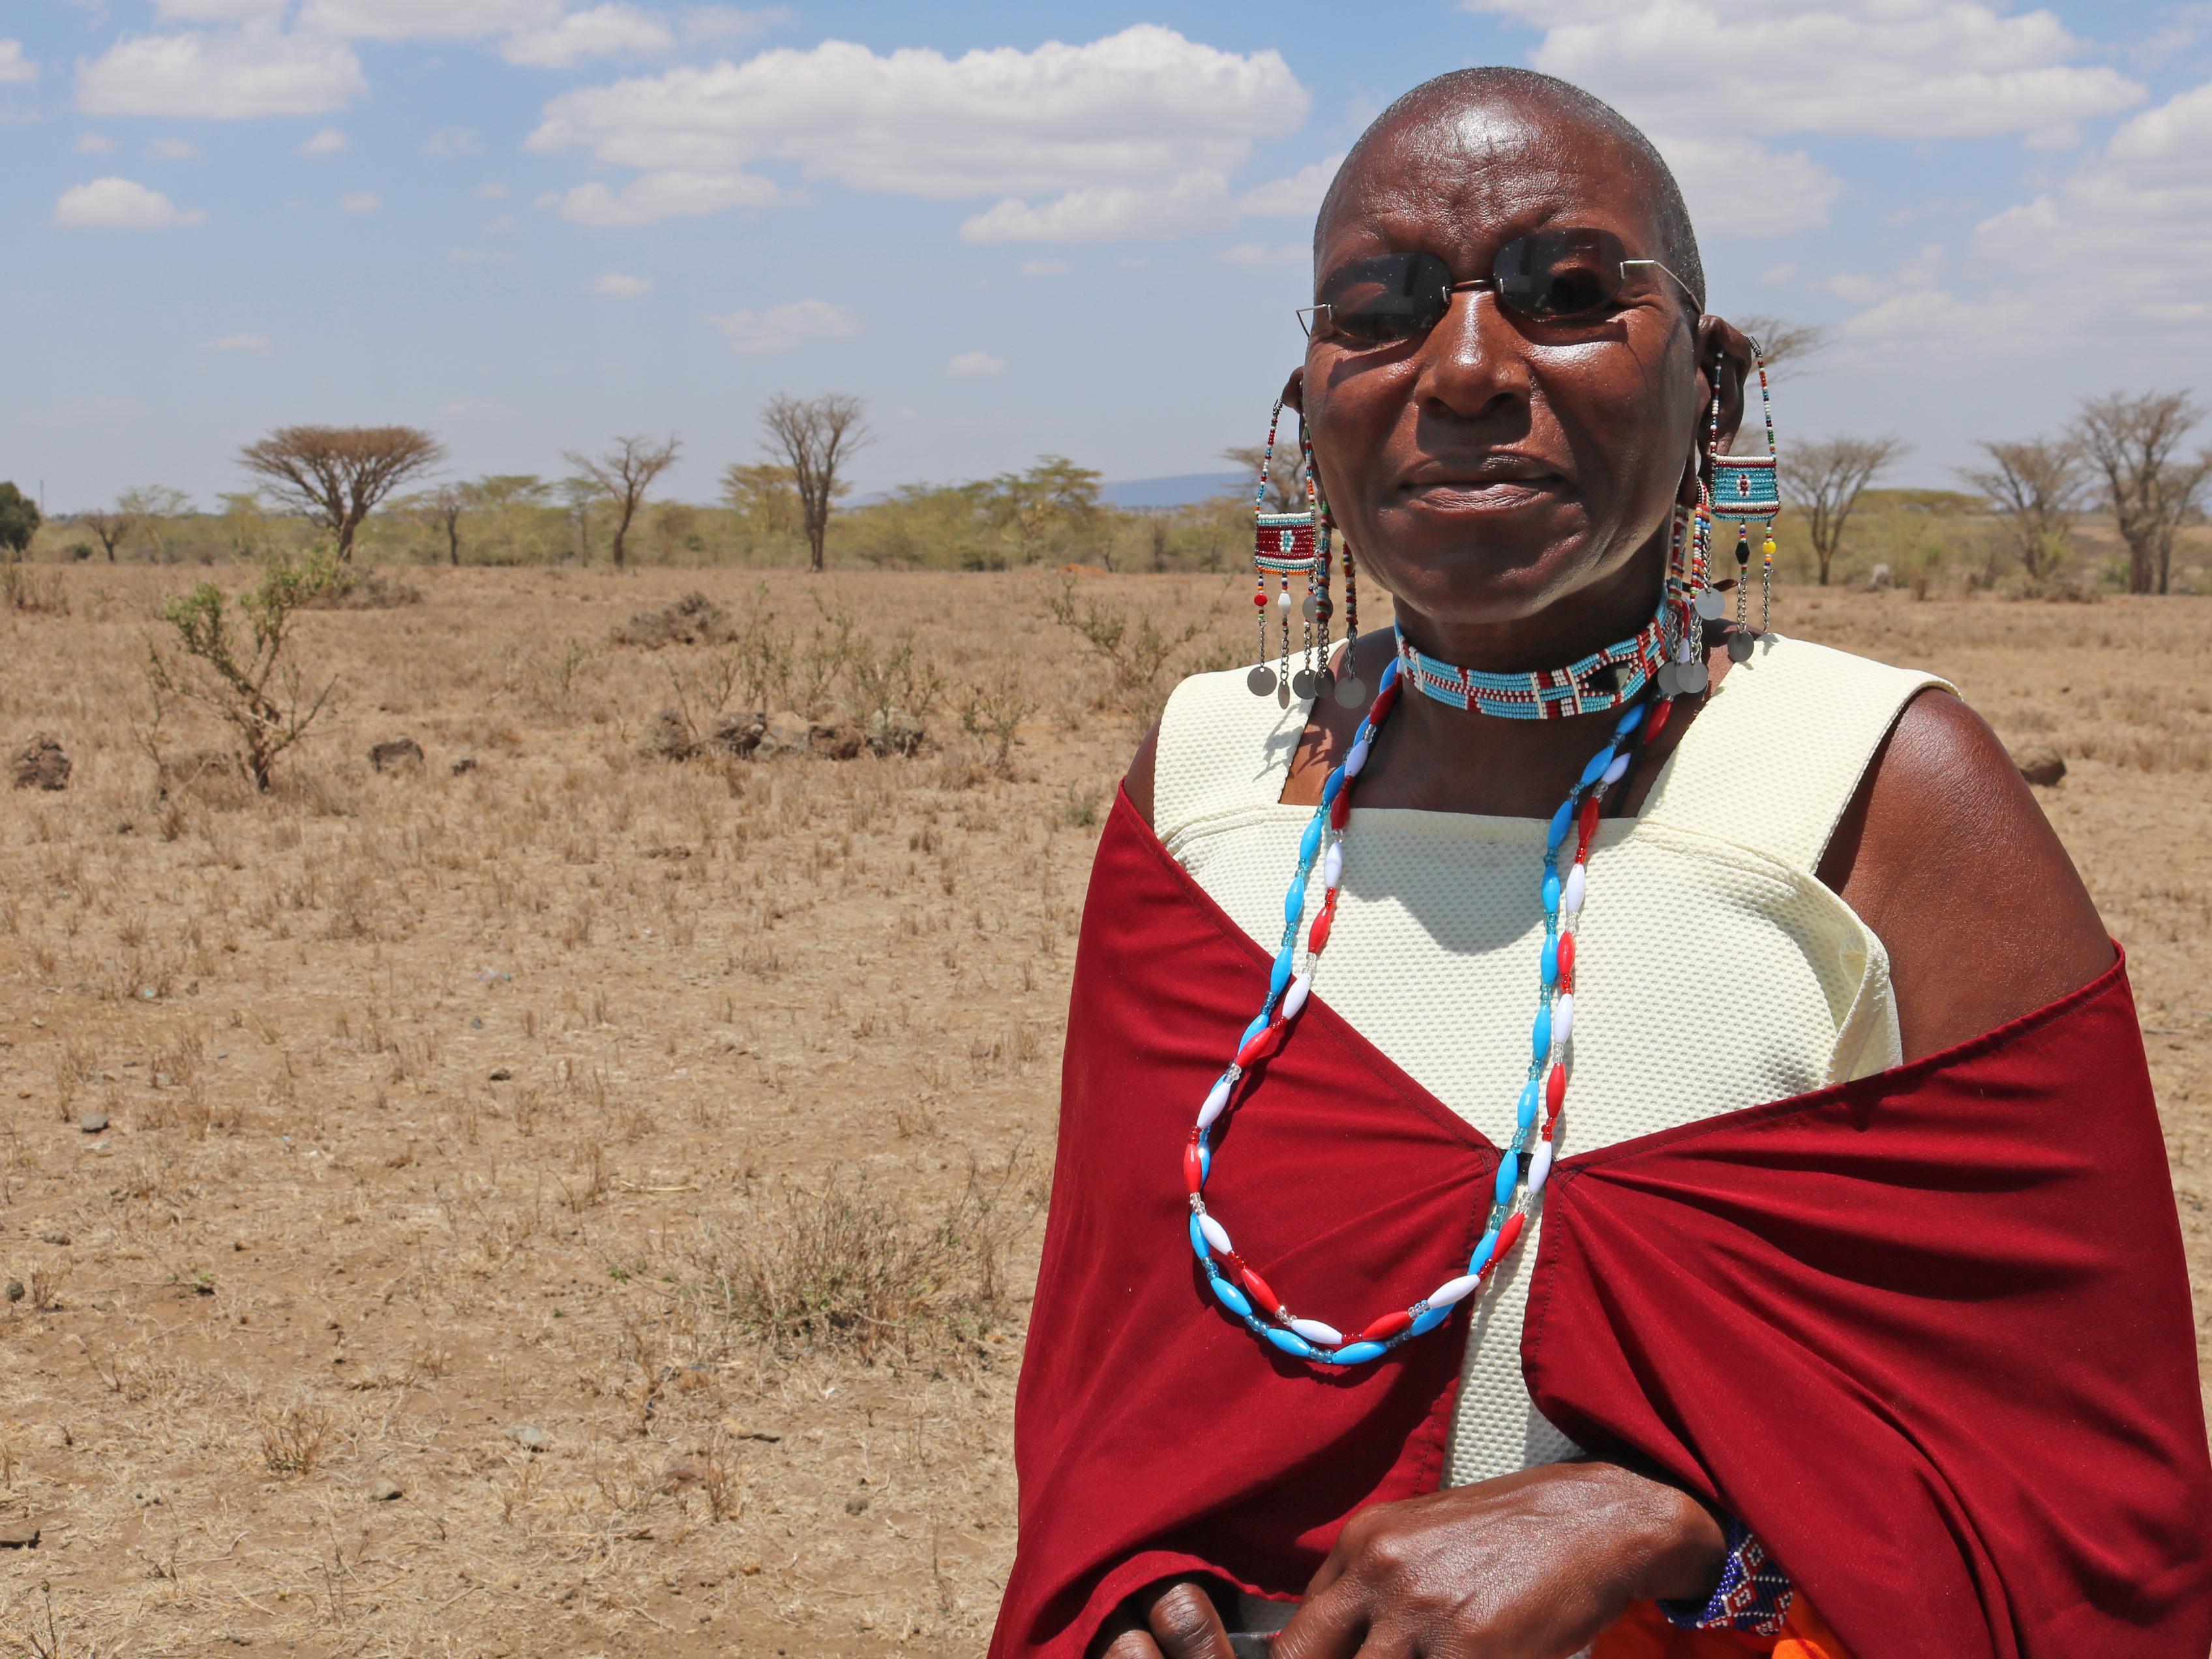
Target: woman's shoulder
[1214, 736]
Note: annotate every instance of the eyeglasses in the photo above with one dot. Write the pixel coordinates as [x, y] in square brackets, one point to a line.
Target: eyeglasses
[1554, 278]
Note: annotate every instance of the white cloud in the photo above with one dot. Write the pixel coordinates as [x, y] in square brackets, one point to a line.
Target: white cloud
[173, 150]
[492, 192]
[238, 76]
[1890, 69]
[1194, 202]
[94, 143]
[217, 11]
[781, 328]
[256, 345]
[329, 142]
[1298, 196]
[454, 141]
[704, 24]
[360, 201]
[1145, 113]
[15, 70]
[414, 20]
[614, 30]
[657, 195]
[975, 366]
[1264, 253]
[1740, 187]
[503, 225]
[615, 286]
[119, 204]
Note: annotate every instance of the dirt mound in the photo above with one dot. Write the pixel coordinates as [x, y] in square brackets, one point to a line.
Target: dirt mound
[694, 619]
[366, 590]
[400, 755]
[42, 763]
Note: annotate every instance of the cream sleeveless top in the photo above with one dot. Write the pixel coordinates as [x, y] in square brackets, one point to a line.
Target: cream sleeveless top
[1713, 972]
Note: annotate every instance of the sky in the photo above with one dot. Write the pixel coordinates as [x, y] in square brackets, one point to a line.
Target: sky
[532, 225]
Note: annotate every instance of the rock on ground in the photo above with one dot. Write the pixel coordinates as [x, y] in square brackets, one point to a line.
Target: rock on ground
[42, 763]
[2042, 764]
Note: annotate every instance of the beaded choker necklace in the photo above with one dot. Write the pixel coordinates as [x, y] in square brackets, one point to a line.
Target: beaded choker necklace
[1607, 679]
[1526, 1162]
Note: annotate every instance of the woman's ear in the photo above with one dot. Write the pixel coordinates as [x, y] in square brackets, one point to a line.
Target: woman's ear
[1723, 348]
[1294, 390]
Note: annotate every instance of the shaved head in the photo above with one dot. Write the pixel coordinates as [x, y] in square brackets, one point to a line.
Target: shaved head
[1545, 101]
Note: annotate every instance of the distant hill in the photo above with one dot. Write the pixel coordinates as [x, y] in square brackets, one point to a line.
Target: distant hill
[1184, 489]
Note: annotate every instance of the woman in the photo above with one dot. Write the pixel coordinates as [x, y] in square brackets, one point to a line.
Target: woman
[1856, 1321]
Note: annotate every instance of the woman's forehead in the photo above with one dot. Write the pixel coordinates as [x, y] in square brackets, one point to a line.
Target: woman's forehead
[1459, 181]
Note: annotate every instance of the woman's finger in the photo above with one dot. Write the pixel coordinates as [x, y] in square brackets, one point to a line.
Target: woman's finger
[1186, 1626]
[1328, 1625]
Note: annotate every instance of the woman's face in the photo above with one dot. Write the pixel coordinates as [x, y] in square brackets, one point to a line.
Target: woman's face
[1496, 467]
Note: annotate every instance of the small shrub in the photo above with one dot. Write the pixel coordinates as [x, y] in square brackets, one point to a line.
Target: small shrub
[694, 619]
[33, 592]
[292, 1440]
[351, 589]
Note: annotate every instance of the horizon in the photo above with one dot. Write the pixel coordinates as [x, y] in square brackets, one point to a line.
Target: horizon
[527, 226]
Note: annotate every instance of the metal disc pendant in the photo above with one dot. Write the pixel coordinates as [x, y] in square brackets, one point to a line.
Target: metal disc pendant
[1669, 678]
[1261, 681]
[1312, 607]
[1303, 684]
[1711, 604]
[1283, 696]
[1351, 692]
[1739, 645]
[1691, 677]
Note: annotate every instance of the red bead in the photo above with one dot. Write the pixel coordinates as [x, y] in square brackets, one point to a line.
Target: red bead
[1193, 1169]
[1555, 1090]
[1261, 597]
[1385, 1327]
[1341, 808]
[1508, 1237]
[1262, 1046]
[1566, 961]
[1385, 700]
[1655, 721]
[1318, 936]
[1263, 1297]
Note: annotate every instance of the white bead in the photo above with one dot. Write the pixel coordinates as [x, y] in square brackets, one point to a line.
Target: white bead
[1563, 1021]
[1216, 1234]
[1215, 1102]
[1321, 1335]
[1355, 760]
[1570, 896]
[1283, 600]
[1295, 998]
[1454, 1291]
[1539, 1168]
[1332, 866]
[1617, 770]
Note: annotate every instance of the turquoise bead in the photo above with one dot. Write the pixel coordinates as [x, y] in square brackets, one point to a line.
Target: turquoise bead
[1359, 1353]
[1284, 966]
[1291, 1343]
[1428, 1321]
[1294, 901]
[1528, 1115]
[1551, 891]
[1258, 1025]
[1628, 723]
[1231, 1298]
[1309, 843]
[1482, 1252]
[1540, 1039]
[1550, 960]
[1562, 821]
[1595, 769]
[1197, 1239]
[1335, 786]
[1509, 1172]
[1389, 676]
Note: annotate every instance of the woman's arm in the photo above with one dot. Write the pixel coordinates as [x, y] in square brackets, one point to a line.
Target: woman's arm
[1947, 857]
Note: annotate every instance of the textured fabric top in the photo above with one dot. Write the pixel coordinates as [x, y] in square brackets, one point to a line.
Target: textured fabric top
[1714, 971]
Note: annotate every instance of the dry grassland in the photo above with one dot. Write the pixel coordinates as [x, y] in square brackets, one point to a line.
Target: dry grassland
[640, 1163]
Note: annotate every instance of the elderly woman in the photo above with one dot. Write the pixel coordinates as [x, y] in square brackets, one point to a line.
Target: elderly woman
[1822, 1294]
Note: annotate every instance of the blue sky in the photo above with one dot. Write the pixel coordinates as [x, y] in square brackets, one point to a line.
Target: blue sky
[529, 225]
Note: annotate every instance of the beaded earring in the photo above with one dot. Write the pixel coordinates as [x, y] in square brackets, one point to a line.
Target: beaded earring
[1747, 490]
[1287, 546]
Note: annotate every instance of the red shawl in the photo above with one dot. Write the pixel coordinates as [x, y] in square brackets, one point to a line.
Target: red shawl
[1929, 1334]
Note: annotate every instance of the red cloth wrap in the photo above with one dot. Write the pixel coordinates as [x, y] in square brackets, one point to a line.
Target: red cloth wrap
[1929, 1332]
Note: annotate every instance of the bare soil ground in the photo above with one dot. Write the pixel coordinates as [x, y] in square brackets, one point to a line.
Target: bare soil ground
[638, 1164]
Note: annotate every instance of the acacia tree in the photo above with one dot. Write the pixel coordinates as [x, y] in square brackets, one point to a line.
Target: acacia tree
[815, 436]
[2130, 442]
[109, 526]
[150, 508]
[1823, 478]
[441, 510]
[1783, 346]
[623, 474]
[336, 475]
[2035, 485]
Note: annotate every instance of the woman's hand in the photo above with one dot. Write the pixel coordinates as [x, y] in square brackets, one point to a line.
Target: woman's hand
[1531, 1567]
[1174, 1618]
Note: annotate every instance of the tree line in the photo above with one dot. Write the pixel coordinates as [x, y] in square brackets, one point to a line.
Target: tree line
[2122, 456]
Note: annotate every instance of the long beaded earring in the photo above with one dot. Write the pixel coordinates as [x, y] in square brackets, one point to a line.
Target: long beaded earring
[1285, 545]
[1748, 490]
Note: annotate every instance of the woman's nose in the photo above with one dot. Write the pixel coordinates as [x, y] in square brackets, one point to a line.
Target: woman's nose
[1474, 361]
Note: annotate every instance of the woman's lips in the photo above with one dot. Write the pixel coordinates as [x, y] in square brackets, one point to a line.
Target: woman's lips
[1493, 495]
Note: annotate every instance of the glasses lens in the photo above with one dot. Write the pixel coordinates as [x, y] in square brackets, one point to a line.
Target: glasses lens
[1397, 296]
[1561, 276]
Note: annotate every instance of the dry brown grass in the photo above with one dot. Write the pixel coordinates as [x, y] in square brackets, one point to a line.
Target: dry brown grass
[637, 1103]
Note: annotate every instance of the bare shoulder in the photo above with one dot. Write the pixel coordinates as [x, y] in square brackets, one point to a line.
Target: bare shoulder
[1138, 780]
[1948, 859]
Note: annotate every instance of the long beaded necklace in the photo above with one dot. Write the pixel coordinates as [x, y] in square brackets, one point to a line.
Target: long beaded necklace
[1526, 1164]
